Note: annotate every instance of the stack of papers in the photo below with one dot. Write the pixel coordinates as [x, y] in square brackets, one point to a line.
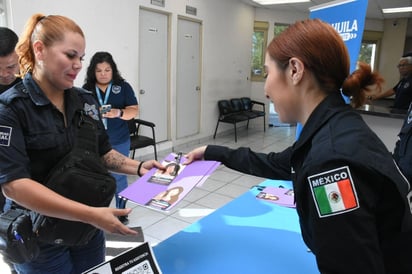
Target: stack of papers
[164, 189]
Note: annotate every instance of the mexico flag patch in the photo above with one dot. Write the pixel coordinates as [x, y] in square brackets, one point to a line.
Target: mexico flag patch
[333, 192]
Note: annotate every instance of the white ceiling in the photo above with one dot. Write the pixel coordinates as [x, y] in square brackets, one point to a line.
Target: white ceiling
[374, 8]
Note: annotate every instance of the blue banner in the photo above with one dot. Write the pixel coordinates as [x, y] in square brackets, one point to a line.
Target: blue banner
[348, 19]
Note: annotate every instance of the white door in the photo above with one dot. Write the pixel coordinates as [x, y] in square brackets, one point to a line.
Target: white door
[188, 78]
[153, 71]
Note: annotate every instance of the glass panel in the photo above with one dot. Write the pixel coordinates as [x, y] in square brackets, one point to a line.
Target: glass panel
[259, 42]
[367, 53]
[258, 48]
[279, 28]
[3, 21]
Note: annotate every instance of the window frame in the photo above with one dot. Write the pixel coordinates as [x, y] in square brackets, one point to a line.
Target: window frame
[373, 37]
[261, 27]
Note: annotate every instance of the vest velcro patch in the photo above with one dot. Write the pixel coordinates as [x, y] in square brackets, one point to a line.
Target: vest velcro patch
[5, 135]
[333, 192]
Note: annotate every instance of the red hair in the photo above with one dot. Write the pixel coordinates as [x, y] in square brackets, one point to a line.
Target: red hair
[321, 49]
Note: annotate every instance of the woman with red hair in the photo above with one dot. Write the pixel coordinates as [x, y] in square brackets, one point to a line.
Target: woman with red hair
[351, 199]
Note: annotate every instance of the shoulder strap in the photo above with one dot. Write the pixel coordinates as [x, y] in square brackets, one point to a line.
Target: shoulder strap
[86, 129]
[18, 90]
[86, 133]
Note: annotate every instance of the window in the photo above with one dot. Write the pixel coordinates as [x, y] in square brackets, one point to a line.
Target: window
[367, 52]
[259, 42]
[370, 48]
[279, 28]
[3, 13]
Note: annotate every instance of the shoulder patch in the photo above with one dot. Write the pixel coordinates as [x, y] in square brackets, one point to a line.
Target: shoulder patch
[333, 192]
[92, 111]
[5, 136]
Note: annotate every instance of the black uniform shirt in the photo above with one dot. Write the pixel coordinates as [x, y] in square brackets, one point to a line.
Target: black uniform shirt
[33, 135]
[3, 88]
[403, 149]
[403, 93]
[350, 195]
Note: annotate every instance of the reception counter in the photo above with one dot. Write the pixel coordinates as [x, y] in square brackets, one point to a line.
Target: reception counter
[385, 121]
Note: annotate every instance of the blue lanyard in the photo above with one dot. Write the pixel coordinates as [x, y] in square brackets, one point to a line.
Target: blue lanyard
[106, 97]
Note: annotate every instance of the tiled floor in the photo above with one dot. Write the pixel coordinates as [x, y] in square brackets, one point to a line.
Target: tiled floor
[220, 188]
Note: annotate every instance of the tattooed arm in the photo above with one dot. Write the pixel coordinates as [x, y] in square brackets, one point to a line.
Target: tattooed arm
[117, 162]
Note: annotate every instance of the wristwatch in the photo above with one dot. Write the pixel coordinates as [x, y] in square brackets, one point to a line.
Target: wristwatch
[121, 113]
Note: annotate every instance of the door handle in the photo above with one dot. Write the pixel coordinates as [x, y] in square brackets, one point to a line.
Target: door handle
[142, 91]
[197, 88]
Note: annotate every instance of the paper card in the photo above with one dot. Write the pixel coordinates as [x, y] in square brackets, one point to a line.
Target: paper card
[277, 195]
[137, 260]
[165, 177]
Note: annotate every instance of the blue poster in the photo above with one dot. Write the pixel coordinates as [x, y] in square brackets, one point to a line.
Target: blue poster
[348, 19]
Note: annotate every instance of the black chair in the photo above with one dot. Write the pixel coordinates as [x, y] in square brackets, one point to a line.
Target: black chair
[140, 141]
[239, 106]
[248, 108]
[228, 115]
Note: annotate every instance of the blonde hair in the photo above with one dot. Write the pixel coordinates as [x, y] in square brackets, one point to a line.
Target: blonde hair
[48, 29]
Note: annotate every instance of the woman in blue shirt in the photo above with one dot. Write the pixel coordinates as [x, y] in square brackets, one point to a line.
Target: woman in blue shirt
[120, 104]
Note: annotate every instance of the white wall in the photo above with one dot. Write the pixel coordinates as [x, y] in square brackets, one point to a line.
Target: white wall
[392, 48]
[227, 30]
[227, 43]
[113, 26]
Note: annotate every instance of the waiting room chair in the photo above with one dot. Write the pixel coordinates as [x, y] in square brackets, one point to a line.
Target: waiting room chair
[228, 115]
[140, 141]
[248, 107]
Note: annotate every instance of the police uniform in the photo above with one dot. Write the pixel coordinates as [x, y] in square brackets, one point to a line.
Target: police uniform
[403, 93]
[350, 196]
[33, 138]
[403, 148]
[33, 134]
[3, 88]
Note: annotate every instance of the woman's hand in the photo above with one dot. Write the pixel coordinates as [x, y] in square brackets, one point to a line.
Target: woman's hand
[196, 154]
[374, 92]
[113, 113]
[148, 165]
[39, 198]
[106, 218]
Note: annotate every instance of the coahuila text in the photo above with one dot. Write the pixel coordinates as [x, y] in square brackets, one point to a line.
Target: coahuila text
[345, 26]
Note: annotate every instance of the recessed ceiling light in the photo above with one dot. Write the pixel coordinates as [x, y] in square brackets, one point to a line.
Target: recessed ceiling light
[275, 2]
[396, 10]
